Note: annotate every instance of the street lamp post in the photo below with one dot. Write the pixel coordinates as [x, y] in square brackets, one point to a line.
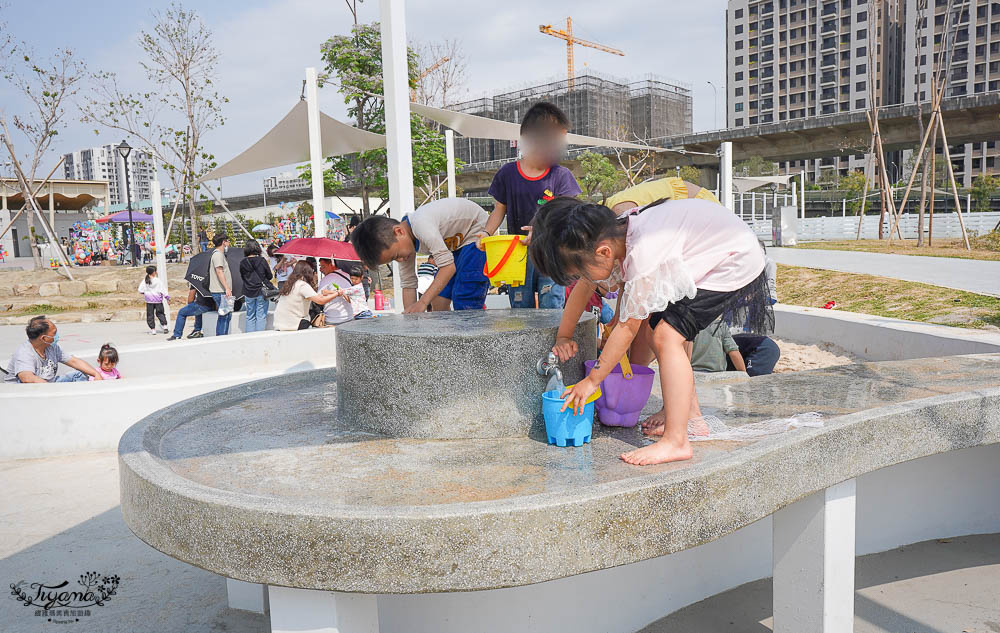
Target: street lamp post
[124, 150]
[715, 103]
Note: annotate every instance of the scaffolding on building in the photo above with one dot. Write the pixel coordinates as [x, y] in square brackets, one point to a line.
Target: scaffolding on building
[596, 104]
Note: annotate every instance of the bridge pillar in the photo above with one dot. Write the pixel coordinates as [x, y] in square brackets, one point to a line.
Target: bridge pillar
[813, 562]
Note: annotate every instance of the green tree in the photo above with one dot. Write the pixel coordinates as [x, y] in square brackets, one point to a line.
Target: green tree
[599, 176]
[356, 62]
[853, 186]
[983, 189]
[691, 174]
[333, 175]
[755, 166]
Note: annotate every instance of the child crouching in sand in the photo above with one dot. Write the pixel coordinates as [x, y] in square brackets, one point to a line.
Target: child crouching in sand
[681, 263]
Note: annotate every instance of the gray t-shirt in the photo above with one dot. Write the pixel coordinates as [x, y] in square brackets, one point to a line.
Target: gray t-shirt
[214, 285]
[25, 358]
[442, 227]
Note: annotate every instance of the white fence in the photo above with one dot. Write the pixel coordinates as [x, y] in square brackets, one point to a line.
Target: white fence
[846, 228]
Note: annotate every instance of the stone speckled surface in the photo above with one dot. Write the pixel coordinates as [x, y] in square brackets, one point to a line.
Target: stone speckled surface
[468, 373]
[263, 482]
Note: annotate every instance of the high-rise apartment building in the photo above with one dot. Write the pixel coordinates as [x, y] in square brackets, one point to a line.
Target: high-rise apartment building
[973, 67]
[790, 59]
[104, 163]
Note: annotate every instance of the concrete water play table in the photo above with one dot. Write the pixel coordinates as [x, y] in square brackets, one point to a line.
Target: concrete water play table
[329, 526]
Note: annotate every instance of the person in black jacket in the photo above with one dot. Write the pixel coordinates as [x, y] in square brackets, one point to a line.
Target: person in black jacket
[256, 275]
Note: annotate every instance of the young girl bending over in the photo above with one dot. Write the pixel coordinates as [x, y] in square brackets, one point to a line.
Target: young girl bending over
[681, 264]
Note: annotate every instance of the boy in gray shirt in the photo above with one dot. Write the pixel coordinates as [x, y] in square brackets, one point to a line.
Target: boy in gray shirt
[445, 229]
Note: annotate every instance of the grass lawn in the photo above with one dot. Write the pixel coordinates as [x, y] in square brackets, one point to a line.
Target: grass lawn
[942, 248]
[882, 296]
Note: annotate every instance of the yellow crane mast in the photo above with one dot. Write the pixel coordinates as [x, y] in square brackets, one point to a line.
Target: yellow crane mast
[567, 35]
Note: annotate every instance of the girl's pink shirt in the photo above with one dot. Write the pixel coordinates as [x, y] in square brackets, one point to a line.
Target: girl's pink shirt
[718, 248]
[108, 375]
[680, 246]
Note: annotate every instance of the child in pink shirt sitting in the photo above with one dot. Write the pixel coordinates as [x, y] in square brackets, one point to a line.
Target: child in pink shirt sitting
[681, 264]
[107, 363]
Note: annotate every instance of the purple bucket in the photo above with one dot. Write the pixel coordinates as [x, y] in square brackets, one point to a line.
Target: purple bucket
[622, 400]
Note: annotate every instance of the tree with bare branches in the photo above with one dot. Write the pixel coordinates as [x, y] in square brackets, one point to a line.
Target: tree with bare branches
[48, 86]
[441, 83]
[171, 117]
[637, 166]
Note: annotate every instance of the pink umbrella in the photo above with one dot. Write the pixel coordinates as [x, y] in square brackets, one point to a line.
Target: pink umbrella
[322, 247]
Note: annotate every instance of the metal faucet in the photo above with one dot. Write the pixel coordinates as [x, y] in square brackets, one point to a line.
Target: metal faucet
[549, 365]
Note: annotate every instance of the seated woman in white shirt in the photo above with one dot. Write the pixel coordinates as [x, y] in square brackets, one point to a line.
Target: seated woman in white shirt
[298, 290]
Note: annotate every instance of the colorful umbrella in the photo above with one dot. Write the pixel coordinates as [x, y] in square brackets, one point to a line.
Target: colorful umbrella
[330, 215]
[319, 247]
[263, 228]
[122, 216]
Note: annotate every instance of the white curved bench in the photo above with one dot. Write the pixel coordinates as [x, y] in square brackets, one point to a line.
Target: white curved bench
[63, 418]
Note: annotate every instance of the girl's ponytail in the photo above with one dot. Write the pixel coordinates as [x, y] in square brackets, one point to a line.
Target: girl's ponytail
[149, 271]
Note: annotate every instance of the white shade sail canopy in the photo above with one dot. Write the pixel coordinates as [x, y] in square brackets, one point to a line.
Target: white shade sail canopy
[743, 184]
[288, 142]
[474, 126]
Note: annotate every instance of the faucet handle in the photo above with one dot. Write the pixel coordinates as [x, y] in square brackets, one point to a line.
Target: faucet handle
[544, 365]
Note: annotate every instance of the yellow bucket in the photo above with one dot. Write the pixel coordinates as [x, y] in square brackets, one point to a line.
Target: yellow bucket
[506, 259]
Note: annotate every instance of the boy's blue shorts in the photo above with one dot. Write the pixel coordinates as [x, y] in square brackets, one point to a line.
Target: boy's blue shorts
[467, 288]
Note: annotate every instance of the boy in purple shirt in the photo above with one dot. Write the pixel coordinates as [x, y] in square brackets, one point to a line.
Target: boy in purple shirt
[522, 187]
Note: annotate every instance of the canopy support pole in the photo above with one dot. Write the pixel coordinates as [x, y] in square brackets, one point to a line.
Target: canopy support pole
[315, 153]
[397, 120]
[726, 174]
[449, 148]
[160, 240]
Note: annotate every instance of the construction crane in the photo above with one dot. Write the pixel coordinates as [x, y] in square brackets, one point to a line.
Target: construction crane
[570, 41]
[423, 75]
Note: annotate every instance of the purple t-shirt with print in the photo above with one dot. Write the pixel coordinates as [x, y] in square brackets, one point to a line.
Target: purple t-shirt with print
[523, 196]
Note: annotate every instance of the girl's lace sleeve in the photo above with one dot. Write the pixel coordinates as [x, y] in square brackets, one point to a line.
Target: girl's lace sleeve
[668, 282]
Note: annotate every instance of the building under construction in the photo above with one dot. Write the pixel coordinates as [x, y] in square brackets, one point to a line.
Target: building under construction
[596, 106]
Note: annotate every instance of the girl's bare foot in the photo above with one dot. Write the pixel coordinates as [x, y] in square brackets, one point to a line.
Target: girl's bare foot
[696, 426]
[653, 425]
[659, 453]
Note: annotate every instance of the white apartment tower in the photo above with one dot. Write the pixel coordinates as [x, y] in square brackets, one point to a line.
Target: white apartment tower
[104, 163]
[974, 66]
[790, 59]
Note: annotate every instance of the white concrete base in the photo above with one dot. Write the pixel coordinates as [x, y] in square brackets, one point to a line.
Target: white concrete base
[247, 596]
[934, 497]
[309, 611]
[813, 553]
[879, 338]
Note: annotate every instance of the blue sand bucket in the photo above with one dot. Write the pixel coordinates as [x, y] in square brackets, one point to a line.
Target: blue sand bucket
[564, 428]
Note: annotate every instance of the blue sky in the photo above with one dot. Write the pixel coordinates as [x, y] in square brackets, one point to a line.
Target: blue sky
[265, 46]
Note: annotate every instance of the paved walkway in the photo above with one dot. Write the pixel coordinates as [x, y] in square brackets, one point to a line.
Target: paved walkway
[973, 275]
